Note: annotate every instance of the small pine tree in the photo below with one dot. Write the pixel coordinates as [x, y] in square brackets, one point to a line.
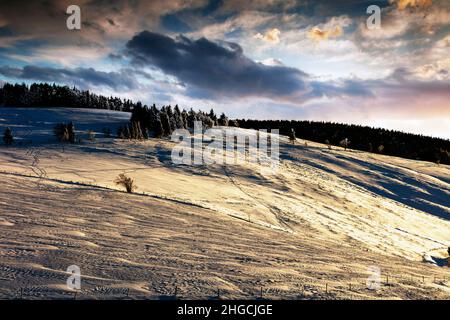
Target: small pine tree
[8, 137]
[292, 136]
[127, 132]
[65, 132]
[91, 136]
[71, 131]
[344, 143]
[107, 132]
[60, 131]
[159, 130]
[121, 133]
[233, 123]
[223, 120]
[190, 119]
[139, 133]
[208, 122]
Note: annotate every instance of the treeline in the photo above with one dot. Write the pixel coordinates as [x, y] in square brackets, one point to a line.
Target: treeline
[389, 142]
[153, 122]
[46, 95]
[150, 121]
[145, 121]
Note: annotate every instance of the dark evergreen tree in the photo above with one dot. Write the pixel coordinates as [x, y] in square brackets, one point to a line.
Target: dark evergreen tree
[223, 120]
[121, 133]
[184, 118]
[106, 132]
[292, 136]
[165, 121]
[159, 129]
[8, 138]
[179, 124]
[65, 132]
[213, 117]
[233, 123]
[71, 131]
[191, 118]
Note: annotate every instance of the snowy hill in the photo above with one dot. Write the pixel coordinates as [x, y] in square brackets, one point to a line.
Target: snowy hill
[320, 222]
[33, 125]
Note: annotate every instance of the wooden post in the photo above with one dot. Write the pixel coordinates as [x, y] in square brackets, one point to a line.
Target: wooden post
[75, 295]
[261, 292]
[326, 288]
[218, 293]
[350, 286]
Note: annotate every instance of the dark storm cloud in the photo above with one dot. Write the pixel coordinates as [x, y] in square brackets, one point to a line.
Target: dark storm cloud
[102, 20]
[81, 77]
[214, 69]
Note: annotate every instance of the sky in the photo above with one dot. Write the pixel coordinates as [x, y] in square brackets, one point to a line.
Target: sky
[260, 59]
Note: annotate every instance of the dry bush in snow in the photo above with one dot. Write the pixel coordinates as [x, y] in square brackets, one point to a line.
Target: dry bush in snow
[126, 182]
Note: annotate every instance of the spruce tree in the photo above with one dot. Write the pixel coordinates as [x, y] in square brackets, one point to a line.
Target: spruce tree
[159, 130]
[8, 137]
[223, 120]
[71, 132]
[292, 136]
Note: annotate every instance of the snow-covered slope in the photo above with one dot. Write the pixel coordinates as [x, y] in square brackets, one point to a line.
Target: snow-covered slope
[323, 218]
[32, 125]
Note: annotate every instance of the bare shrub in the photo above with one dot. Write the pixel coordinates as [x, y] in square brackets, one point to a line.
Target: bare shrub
[91, 136]
[126, 182]
[65, 132]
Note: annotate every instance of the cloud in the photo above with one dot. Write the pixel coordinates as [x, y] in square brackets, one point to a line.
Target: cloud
[65, 56]
[439, 70]
[333, 28]
[101, 20]
[271, 36]
[340, 89]
[423, 18]
[403, 4]
[214, 69]
[257, 5]
[407, 38]
[243, 23]
[319, 35]
[272, 62]
[80, 77]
